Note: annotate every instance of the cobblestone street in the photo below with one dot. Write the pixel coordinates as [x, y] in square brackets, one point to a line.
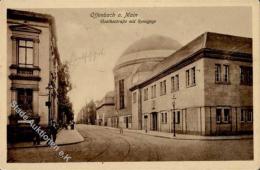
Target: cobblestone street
[102, 144]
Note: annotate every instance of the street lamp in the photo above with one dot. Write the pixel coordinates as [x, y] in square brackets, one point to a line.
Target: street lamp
[48, 103]
[173, 106]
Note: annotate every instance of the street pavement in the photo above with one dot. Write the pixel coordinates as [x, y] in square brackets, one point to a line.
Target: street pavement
[105, 144]
[64, 137]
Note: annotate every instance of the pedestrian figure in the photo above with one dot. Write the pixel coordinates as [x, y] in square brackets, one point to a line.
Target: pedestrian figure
[72, 125]
[53, 131]
[66, 126]
[120, 130]
[36, 136]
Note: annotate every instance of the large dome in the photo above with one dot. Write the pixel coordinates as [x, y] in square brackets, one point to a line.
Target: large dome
[153, 47]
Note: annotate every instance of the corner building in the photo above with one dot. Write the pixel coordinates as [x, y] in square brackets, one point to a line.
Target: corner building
[207, 85]
[33, 61]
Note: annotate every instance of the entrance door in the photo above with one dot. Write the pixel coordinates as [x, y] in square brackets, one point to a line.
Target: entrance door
[154, 121]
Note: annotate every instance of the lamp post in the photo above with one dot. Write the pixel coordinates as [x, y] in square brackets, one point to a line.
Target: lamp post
[173, 106]
[48, 103]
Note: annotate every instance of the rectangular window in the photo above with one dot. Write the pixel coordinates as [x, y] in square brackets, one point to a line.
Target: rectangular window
[246, 75]
[193, 76]
[187, 78]
[153, 91]
[223, 115]
[242, 115]
[226, 73]
[178, 117]
[134, 97]
[246, 115]
[175, 83]
[217, 73]
[172, 83]
[249, 117]
[146, 94]
[218, 115]
[25, 53]
[121, 94]
[165, 117]
[25, 100]
[163, 87]
[226, 115]
[162, 117]
[130, 119]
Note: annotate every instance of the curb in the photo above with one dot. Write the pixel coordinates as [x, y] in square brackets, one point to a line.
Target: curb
[45, 145]
[202, 139]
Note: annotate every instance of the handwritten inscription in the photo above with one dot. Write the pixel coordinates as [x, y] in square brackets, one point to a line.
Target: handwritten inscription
[87, 56]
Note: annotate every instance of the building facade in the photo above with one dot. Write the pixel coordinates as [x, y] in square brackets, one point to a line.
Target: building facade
[205, 88]
[133, 66]
[105, 111]
[33, 61]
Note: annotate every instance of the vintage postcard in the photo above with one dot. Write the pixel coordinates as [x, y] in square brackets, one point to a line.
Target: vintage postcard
[158, 85]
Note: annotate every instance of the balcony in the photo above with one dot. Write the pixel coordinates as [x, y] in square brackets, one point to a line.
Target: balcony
[24, 73]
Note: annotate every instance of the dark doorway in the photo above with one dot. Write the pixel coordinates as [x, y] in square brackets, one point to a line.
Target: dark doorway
[154, 121]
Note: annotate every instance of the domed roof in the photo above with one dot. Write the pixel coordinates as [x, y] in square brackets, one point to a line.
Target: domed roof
[110, 94]
[154, 46]
[153, 42]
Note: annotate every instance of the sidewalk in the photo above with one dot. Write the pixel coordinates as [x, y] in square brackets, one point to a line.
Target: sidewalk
[184, 136]
[64, 137]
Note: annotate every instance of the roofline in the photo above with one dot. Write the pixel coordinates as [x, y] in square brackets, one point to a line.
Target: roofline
[202, 53]
[231, 35]
[105, 104]
[203, 49]
[28, 15]
[137, 61]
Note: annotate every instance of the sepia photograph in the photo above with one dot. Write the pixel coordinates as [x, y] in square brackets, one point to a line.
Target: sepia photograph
[129, 84]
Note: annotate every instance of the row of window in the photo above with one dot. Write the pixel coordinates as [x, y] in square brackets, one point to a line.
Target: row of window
[177, 117]
[222, 116]
[190, 81]
[222, 74]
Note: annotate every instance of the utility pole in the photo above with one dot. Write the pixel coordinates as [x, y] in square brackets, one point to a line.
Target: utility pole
[48, 103]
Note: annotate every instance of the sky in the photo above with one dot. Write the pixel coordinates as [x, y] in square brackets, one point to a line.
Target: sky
[92, 48]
